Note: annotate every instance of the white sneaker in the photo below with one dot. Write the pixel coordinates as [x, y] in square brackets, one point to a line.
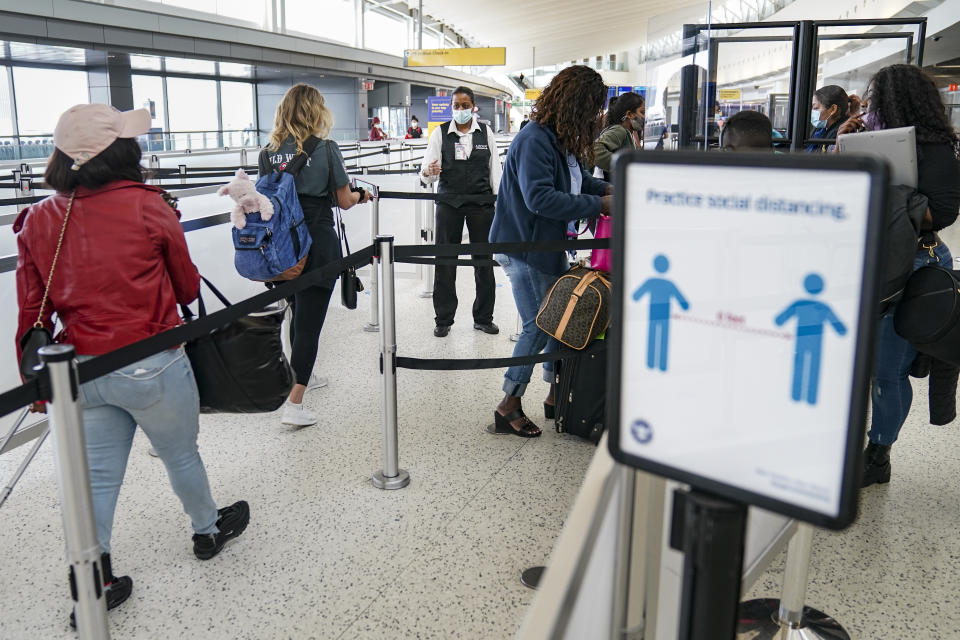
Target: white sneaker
[297, 415]
[316, 382]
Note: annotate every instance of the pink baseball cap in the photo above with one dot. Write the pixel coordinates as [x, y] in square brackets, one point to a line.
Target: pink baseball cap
[85, 130]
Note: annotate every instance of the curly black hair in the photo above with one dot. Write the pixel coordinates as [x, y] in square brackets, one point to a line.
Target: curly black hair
[903, 95]
[573, 105]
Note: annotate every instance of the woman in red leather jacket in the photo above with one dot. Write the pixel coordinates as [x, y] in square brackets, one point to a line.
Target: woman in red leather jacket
[120, 265]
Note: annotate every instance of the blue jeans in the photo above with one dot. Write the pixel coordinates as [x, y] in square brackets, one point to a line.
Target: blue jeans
[891, 392]
[529, 288]
[160, 394]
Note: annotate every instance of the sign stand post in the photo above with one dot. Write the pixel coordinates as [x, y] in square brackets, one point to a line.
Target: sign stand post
[710, 531]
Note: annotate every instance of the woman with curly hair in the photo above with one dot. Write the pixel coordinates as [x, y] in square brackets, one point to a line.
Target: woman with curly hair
[904, 96]
[543, 187]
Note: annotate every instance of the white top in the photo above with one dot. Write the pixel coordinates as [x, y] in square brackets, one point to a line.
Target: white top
[435, 149]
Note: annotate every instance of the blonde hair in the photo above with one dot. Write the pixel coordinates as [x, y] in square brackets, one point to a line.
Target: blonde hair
[301, 113]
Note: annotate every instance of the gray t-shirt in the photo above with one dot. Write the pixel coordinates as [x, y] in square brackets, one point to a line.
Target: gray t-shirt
[313, 178]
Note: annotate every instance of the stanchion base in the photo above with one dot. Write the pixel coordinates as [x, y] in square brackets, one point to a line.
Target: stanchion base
[759, 621]
[399, 481]
[371, 328]
[514, 337]
[531, 577]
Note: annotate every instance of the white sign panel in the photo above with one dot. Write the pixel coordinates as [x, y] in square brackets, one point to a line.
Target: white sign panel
[740, 323]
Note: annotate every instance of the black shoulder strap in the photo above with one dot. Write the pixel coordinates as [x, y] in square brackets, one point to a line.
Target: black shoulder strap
[309, 146]
[335, 204]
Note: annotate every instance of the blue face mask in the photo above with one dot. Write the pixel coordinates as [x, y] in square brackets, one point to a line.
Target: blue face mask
[462, 116]
[816, 121]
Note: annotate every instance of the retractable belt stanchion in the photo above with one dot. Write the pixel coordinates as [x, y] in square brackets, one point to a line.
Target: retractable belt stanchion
[391, 476]
[24, 189]
[243, 157]
[427, 236]
[153, 163]
[787, 618]
[76, 499]
[374, 324]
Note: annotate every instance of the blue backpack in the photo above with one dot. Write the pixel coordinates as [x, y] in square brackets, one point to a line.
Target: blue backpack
[278, 248]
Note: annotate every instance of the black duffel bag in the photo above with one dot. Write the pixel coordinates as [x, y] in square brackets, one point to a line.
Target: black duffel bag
[905, 210]
[928, 314]
[240, 367]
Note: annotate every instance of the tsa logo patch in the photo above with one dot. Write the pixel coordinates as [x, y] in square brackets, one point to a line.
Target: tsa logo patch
[641, 431]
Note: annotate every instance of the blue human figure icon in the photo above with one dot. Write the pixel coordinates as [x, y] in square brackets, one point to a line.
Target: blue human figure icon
[662, 292]
[812, 316]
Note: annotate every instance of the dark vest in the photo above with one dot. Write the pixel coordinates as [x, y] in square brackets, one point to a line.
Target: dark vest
[470, 176]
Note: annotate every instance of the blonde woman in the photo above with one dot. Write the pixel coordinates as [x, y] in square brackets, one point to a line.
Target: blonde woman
[302, 125]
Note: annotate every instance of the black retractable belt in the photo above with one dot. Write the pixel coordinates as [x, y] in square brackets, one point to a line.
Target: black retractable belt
[442, 364]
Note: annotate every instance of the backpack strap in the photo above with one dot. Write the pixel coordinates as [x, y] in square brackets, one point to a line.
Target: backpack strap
[309, 146]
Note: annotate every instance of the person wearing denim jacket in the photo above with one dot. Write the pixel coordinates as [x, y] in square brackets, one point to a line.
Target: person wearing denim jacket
[543, 187]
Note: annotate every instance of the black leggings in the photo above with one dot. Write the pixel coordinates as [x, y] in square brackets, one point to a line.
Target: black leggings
[310, 305]
[309, 311]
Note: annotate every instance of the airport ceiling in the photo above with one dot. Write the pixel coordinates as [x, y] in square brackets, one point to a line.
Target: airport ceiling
[561, 30]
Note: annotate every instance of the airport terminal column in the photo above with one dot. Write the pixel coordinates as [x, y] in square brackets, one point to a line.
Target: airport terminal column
[374, 324]
[76, 499]
[391, 476]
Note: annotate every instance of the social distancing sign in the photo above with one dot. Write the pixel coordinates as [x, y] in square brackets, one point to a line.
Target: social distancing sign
[743, 290]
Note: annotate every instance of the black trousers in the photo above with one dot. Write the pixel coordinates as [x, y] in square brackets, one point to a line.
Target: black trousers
[450, 221]
[309, 306]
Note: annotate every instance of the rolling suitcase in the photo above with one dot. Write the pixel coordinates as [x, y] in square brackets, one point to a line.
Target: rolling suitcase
[581, 394]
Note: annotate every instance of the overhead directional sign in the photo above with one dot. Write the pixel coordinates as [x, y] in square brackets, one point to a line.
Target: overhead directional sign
[744, 313]
[729, 94]
[462, 57]
[532, 94]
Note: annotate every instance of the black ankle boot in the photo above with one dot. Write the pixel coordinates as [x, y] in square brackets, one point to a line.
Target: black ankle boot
[876, 465]
[117, 590]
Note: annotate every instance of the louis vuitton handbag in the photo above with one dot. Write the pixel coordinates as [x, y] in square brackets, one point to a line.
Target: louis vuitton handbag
[577, 308]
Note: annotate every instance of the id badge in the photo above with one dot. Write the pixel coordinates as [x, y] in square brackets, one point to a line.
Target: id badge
[459, 151]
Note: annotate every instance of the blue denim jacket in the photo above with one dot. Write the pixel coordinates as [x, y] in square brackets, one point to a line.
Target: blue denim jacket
[534, 202]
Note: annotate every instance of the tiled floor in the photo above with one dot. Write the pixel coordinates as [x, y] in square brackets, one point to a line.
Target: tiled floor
[326, 555]
[893, 575]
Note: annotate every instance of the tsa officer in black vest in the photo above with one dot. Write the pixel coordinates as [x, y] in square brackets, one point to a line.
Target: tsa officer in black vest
[463, 154]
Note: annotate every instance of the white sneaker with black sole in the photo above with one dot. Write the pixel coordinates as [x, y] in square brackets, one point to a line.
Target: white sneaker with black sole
[297, 415]
[316, 382]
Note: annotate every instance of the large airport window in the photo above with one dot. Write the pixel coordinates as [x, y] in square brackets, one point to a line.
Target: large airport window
[6, 108]
[192, 108]
[328, 19]
[188, 65]
[237, 113]
[43, 94]
[148, 94]
[247, 10]
[384, 32]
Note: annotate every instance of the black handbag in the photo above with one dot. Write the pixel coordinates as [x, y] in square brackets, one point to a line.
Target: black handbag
[240, 367]
[928, 314]
[38, 335]
[350, 283]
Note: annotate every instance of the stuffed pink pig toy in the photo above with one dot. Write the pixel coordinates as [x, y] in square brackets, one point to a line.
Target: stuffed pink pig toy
[246, 199]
